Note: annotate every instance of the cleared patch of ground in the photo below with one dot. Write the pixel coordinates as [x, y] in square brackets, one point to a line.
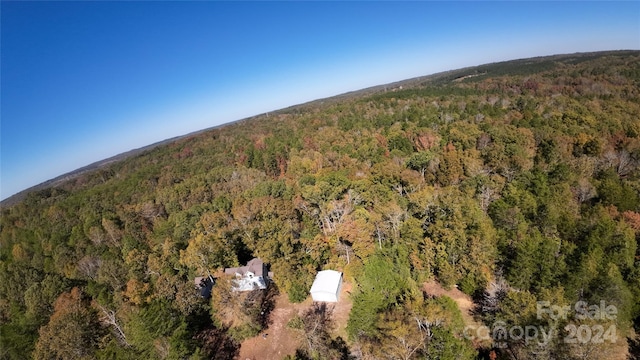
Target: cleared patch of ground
[281, 340]
[464, 301]
[341, 311]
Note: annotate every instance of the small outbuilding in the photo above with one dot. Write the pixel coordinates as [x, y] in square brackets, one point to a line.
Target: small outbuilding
[326, 287]
[204, 284]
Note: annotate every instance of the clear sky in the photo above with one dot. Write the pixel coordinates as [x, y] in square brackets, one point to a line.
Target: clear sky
[82, 81]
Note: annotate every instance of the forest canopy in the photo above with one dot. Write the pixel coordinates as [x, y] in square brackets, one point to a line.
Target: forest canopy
[518, 183]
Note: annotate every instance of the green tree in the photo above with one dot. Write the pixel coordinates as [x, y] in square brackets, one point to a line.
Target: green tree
[384, 282]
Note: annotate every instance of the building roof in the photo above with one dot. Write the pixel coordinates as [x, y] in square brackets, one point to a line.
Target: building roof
[327, 281]
[205, 285]
[255, 266]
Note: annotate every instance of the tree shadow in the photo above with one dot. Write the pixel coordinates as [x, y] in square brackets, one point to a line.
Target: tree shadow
[217, 344]
[634, 348]
[260, 303]
[267, 305]
[342, 348]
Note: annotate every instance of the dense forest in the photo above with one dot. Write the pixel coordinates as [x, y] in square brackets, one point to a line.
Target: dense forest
[517, 183]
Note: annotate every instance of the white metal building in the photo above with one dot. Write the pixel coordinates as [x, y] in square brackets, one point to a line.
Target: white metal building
[326, 287]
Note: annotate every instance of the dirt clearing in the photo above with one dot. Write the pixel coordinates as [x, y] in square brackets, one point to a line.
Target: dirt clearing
[465, 304]
[281, 340]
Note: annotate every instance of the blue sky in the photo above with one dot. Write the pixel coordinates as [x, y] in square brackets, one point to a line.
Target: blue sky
[82, 81]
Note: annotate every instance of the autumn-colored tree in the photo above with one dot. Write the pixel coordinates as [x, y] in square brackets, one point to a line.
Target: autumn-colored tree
[211, 247]
[72, 332]
[463, 240]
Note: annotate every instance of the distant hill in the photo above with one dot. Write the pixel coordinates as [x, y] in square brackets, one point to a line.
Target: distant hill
[57, 181]
[60, 180]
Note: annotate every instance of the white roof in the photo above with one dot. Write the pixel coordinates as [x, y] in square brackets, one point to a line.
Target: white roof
[326, 281]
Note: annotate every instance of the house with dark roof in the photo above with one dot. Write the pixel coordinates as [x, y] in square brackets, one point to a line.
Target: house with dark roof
[252, 276]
